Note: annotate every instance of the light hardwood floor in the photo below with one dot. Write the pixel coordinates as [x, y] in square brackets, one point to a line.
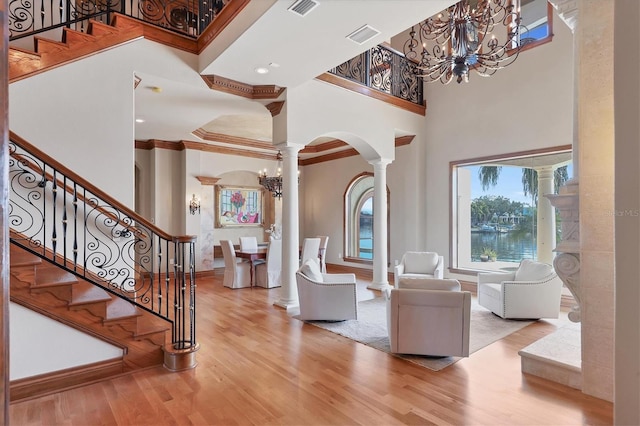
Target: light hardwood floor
[259, 366]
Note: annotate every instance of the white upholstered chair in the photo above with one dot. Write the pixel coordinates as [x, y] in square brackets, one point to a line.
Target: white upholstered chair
[310, 248]
[533, 291]
[429, 322]
[322, 252]
[250, 243]
[269, 274]
[328, 297]
[236, 275]
[419, 265]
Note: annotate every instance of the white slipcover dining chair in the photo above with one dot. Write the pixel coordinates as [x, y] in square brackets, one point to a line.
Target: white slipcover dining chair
[250, 243]
[310, 248]
[322, 252]
[269, 274]
[236, 275]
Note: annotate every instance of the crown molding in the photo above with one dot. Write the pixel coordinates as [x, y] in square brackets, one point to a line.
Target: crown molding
[208, 181]
[233, 140]
[326, 146]
[233, 87]
[275, 107]
[201, 146]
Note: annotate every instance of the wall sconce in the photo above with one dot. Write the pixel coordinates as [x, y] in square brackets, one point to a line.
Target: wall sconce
[194, 205]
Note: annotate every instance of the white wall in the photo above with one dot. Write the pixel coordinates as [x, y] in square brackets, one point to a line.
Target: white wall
[83, 112]
[35, 345]
[526, 106]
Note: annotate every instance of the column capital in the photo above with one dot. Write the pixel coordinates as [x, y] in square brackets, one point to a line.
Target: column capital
[380, 163]
[289, 148]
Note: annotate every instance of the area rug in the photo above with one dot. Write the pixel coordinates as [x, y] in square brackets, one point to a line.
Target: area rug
[371, 329]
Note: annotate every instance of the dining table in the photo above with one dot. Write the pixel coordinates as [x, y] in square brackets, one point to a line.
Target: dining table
[251, 255]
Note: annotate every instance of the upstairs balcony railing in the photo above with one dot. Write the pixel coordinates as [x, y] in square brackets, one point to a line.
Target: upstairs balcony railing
[383, 69]
[186, 17]
[63, 219]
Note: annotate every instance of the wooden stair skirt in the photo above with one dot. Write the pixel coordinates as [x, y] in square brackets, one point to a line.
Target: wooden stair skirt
[49, 290]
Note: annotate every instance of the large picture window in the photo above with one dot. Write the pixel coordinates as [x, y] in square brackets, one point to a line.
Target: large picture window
[499, 213]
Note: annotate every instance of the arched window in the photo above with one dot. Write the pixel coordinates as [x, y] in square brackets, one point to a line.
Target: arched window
[364, 232]
[359, 216]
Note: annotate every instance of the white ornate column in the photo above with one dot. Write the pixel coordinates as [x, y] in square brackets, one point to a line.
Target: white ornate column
[290, 226]
[567, 261]
[546, 235]
[380, 243]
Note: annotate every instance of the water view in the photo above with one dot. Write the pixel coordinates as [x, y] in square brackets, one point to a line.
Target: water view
[510, 246]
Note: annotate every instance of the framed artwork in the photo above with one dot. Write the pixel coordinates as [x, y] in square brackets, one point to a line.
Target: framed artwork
[238, 206]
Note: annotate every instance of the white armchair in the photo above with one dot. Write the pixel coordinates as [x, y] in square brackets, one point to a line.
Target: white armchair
[533, 291]
[429, 322]
[419, 265]
[328, 297]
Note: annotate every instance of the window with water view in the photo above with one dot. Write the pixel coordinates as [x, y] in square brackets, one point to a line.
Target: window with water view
[500, 214]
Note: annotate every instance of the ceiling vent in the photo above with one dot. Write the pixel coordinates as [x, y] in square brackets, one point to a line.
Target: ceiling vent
[302, 7]
[363, 34]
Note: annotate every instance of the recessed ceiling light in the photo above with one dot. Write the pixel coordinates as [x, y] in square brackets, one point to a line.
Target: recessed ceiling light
[262, 70]
[139, 120]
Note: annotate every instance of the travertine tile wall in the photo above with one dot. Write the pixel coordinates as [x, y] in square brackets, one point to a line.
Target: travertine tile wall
[594, 41]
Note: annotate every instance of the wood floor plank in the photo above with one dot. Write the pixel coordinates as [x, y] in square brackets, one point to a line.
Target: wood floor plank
[259, 366]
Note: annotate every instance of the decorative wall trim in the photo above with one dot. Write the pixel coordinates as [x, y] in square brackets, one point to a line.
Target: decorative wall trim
[326, 146]
[206, 180]
[400, 141]
[44, 384]
[233, 87]
[275, 107]
[234, 140]
[201, 146]
[226, 150]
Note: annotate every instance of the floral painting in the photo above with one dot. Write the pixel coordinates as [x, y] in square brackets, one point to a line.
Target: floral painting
[238, 206]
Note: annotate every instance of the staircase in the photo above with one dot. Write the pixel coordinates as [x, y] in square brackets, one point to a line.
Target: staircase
[75, 45]
[46, 288]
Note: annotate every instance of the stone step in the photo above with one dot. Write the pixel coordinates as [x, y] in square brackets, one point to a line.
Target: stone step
[556, 357]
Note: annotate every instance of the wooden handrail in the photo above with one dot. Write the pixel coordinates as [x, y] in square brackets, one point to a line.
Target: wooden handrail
[90, 187]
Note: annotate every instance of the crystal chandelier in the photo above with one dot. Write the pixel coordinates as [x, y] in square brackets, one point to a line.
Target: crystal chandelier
[461, 38]
[272, 183]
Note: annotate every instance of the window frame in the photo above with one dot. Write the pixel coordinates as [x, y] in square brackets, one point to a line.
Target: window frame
[453, 197]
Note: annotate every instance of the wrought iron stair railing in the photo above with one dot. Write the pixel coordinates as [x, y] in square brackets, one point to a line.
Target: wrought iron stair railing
[385, 70]
[186, 17]
[62, 218]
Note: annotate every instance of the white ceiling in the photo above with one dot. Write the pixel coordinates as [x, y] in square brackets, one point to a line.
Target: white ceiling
[302, 47]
